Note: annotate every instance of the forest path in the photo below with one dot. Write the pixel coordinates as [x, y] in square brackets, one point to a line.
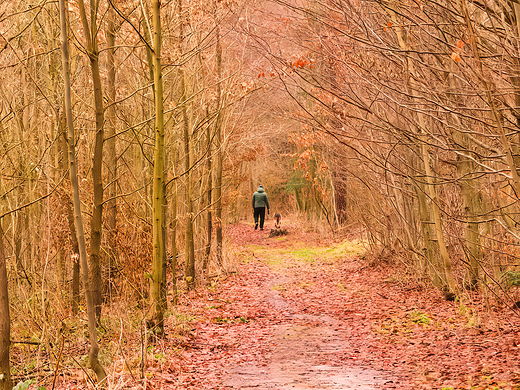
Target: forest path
[303, 311]
[304, 351]
[280, 318]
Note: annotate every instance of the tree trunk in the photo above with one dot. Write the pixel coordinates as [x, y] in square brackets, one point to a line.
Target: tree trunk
[61, 166]
[111, 147]
[209, 199]
[173, 233]
[429, 185]
[158, 290]
[218, 201]
[68, 208]
[96, 222]
[209, 179]
[78, 218]
[5, 321]
[432, 194]
[190, 241]
[472, 200]
[219, 144]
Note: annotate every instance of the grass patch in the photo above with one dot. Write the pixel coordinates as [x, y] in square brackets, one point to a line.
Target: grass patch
[404, 325]
[231, 320]
[420, 318]
[302, 253]
[348, 249]
[308, 255]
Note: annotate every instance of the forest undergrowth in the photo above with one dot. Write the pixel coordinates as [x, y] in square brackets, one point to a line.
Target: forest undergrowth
[388, 322]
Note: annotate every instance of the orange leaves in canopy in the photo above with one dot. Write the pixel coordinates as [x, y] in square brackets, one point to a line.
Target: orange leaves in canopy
[303, 160]
[324, 166]
[305, 140]
[301, 62]
[455, 55]
[261, 73]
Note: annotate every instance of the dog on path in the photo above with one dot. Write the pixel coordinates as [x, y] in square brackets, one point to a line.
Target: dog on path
[277, 218]
[278, 231]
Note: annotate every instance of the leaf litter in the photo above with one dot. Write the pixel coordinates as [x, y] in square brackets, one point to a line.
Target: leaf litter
[329, 321]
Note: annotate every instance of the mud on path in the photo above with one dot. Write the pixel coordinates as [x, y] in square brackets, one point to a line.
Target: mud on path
[303, 312]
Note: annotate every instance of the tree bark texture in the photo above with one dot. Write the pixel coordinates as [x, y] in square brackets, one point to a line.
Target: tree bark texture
[5, 321]
[158, 293]
[111, 148]
[209, 199]
[186, 137]
[96, 223]
[95, 365]
[219, 147]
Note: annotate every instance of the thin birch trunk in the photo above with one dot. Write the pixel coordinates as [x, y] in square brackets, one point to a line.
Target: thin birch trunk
[158, 293]
[190, 242]
[219, 146]
[173, 233]
[111, 146]
[5, 320]
[95, 365]
[96, 223]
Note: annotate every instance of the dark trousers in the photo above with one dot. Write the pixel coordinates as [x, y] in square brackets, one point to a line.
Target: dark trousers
[260, 212]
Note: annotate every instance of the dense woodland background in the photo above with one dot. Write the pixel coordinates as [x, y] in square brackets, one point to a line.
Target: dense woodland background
[399, 119]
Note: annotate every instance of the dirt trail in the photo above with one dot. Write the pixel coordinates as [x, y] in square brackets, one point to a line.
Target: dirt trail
[303, 347]
[304, 312]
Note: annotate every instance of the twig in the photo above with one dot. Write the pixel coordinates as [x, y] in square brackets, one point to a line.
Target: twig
[25, 342]
[123, 352]
[85, 371]
[58, 362]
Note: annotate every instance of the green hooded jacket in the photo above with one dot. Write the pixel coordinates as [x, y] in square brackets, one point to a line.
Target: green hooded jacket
[260, 198]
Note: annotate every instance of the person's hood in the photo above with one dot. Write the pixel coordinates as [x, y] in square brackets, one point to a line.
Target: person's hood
[260, 189]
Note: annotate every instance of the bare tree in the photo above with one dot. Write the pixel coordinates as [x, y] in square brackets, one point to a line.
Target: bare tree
[158, 290]
[90, 31]
[5, 321]
[95, 364]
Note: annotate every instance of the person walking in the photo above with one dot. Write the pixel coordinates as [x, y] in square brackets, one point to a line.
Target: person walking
[260, 203]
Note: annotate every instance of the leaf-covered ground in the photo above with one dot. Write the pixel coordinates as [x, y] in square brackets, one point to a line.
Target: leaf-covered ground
[305, 312]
